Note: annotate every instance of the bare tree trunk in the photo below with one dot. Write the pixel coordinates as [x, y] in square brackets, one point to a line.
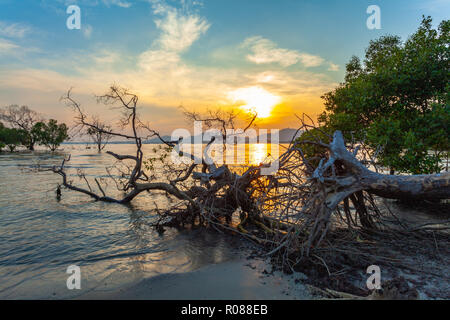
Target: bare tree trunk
[431, 186]
[293, 208]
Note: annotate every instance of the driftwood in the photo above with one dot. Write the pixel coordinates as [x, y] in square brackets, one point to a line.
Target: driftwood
[342, 177]
[359, 178]
[290, 211]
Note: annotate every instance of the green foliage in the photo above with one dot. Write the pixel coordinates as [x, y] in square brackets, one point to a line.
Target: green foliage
[21, 117]
[161, 155]
[313, 152]
[11, 137]
[398, 99]
[50, 134]
[29, 139]
[98, 134]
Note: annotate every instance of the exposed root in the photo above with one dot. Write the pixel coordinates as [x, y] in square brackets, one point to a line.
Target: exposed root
[313, 205]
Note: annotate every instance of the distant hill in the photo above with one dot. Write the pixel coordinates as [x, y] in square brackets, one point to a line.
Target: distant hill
[286, 136]
[156, 140]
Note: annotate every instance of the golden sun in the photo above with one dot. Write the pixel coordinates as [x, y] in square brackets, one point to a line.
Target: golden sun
[255, 100]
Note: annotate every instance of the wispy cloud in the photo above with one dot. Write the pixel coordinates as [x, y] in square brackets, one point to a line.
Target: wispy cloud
[266, 51]
[13, 30]
[106, 57]
[120, 3]
[163, 78]
[179, 30]
[7, 46]
[59, 6]
[333, 67]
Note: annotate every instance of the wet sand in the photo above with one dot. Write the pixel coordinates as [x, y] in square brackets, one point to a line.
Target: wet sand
[241, 280]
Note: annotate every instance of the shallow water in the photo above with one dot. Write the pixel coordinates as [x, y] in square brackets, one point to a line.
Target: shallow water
[113, 244]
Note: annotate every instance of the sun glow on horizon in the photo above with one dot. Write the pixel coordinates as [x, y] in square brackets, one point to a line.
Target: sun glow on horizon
[255, 100]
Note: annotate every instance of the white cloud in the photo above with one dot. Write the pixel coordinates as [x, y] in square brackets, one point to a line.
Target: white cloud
[266, 51]
[7, 46]
[59, 6]
[123, 4]
[106, 57]
[179, 30]
[165, 81]
[309, 60]
[158, 60]
[161, 77]
[13, 30]
[333, 67]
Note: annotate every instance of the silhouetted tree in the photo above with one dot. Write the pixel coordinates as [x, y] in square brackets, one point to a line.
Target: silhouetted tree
[50, 134]
[11, 137]
[22, 118]
[397, 100]
[98, 133]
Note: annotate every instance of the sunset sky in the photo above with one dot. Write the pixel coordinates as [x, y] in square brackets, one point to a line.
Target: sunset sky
[277, 57]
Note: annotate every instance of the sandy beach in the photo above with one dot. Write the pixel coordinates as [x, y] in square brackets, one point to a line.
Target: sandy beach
[234, 280]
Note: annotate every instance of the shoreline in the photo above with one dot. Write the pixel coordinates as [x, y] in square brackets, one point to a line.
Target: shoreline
[249, 276]
[241, 279]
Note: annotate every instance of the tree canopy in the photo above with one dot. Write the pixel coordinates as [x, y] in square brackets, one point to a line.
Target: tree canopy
[50, 134]
[397, 99]
[99, 133]
[27, 128]
[11, 137]
[22, 118]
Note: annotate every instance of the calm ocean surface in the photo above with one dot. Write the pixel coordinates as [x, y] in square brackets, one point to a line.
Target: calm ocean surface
[113, 244]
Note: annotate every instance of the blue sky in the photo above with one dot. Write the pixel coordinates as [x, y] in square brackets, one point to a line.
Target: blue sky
[199, 54]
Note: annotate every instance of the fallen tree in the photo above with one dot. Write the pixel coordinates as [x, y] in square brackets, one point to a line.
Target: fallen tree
[290, 211]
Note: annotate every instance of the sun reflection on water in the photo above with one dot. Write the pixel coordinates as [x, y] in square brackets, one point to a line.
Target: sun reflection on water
[258, 153]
